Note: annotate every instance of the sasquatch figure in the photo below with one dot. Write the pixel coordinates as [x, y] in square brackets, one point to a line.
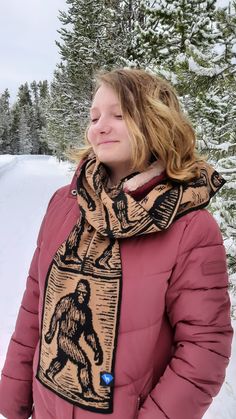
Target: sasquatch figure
[102, 261]
[120, 207]
[72, 244]
[74, 319]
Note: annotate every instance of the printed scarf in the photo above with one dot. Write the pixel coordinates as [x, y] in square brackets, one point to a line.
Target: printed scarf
[83, 288]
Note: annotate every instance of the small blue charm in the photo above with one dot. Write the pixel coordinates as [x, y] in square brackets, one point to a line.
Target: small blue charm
[106, 379]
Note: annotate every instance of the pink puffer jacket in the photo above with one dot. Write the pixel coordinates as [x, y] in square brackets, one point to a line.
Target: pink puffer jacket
[174, 335]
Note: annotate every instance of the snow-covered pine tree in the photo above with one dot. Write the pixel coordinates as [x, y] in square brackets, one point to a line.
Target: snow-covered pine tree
[25, 117]
[126, 16]
[218, 133]
[24, 135]
[36, 123]
[5, 123]
[62, 121]
[39, 94]
[14, 130]
[43, 99]
[43, 89]
[175, 35]
[24, 95]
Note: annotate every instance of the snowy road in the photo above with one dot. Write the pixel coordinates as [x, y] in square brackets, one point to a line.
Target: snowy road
[26, 184]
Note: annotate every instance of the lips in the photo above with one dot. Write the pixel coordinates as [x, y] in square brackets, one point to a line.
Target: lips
[106, 142]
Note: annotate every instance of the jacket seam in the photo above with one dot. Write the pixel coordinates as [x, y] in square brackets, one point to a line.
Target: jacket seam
[154, 401]
[189, 381]
[206, 288]
[35, 313]
[14, 378]
[201, 347]
[33, 279]
[141, 328]
[22, 344]
[199, 247]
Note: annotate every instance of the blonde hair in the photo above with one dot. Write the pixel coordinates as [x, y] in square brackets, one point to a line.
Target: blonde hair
[155, 122]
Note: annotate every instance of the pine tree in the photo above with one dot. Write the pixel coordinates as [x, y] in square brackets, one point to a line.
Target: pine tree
[25, 142]
[176, 37]
[26, 117]
[62, 126]
[5, 123]
[44, 97]
[218, 136]
[43, 89]
[24, 95]
[35, 120]
[39, 93]
[85, 43]
[24, 120]
[14, 130]
[126, 16]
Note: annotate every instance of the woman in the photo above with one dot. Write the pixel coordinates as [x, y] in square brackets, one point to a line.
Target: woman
[126, 310]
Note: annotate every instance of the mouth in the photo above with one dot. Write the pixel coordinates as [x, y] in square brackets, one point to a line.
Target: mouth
[106, 142]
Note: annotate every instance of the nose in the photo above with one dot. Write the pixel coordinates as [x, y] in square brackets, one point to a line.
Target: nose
[103, 126]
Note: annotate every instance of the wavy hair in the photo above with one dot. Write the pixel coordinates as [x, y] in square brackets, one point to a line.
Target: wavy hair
[155, 121]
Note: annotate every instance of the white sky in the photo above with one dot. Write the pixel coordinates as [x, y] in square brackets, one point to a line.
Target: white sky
[28, 29]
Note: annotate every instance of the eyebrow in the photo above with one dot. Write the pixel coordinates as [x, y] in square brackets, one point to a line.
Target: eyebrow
[114, 105]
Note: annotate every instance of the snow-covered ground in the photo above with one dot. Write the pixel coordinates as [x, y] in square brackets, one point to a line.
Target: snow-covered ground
[26, 184]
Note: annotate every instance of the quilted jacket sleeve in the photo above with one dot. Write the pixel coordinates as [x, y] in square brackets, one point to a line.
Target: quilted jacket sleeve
[199, 311]
[16, 379]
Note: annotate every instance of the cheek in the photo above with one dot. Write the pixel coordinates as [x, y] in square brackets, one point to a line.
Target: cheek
[90, 135]
[125, 133]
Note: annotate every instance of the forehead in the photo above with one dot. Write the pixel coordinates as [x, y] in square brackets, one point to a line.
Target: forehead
[105, 96]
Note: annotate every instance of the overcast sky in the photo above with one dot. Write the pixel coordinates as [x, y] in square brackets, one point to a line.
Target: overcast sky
[28, 29]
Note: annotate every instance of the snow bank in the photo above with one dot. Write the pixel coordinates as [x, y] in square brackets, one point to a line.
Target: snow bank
[7, 161]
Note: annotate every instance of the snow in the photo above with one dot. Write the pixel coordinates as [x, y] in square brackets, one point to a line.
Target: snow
[204, 71]
[6, 161]
[27, 183]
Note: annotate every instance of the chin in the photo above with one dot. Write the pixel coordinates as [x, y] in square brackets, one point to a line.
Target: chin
[107, 160]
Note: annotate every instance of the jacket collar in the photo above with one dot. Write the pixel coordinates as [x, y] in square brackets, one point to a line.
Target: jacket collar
[137, 186]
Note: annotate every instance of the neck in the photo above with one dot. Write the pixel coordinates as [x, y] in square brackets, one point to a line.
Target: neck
[116, 176]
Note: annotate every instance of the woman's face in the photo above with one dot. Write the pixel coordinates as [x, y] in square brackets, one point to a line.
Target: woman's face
[108, 133]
